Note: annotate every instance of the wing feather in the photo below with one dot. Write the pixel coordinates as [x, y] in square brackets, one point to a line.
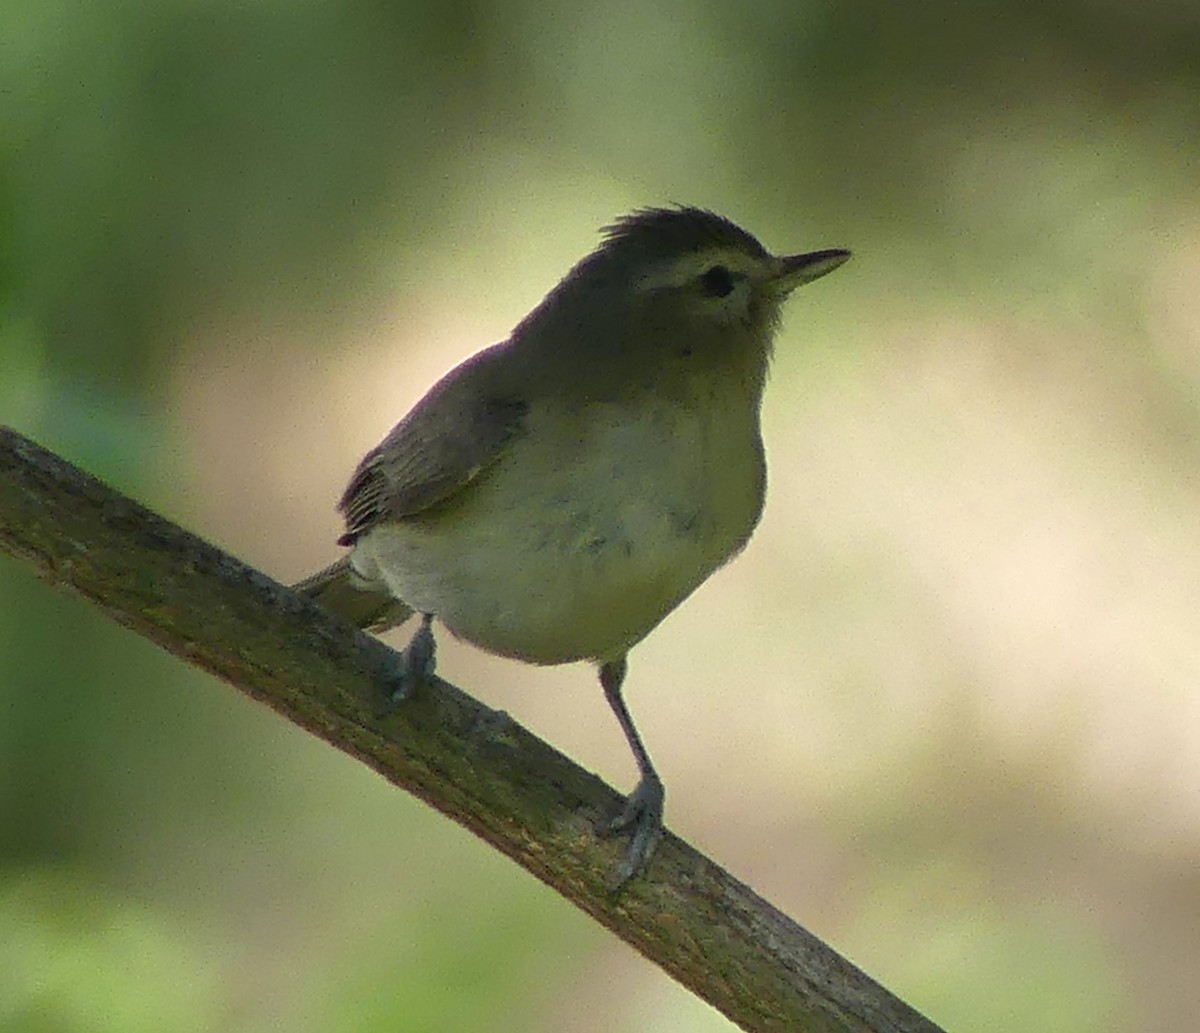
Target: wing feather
[449, 438]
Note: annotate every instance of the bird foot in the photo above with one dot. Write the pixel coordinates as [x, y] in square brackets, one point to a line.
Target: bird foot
[643, 817]
[418, 661]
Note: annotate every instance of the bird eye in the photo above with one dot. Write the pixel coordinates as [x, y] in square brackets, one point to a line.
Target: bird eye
[717, 281]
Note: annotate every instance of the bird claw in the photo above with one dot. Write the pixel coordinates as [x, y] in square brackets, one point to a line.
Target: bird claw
[418, 661]
[643, 816]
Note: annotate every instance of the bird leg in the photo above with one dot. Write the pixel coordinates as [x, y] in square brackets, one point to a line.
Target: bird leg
[643, 811]
[418, 662]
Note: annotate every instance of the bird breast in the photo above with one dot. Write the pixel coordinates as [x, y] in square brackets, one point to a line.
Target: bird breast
[593, 525]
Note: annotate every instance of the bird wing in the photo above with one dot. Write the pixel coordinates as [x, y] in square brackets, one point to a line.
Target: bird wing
[452, 435]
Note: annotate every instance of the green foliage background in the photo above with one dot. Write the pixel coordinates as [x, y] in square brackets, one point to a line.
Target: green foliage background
[945, 709]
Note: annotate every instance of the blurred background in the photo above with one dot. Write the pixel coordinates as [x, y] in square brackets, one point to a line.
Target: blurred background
[945, 710]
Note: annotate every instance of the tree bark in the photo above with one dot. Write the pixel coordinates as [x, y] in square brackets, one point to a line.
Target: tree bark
[476, 765]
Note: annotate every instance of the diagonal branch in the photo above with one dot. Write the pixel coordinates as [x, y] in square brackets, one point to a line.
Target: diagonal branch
[709, 931]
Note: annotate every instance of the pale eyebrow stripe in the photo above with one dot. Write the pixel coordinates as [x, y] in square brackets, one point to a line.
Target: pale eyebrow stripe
[681, 270]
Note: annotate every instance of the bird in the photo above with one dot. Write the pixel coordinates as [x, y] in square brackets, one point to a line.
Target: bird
[556, 495]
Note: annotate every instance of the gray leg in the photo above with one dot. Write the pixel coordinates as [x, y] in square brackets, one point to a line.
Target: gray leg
[643, 813]
[418, 661]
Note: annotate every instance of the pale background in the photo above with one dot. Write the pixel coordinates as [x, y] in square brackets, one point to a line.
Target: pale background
[945, 710]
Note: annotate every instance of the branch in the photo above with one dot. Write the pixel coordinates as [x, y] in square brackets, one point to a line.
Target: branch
[709, 931]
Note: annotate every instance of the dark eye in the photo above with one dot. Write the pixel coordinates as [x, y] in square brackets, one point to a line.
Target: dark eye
[717, 281]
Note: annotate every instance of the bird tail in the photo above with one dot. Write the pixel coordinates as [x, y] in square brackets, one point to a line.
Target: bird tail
[340, 589]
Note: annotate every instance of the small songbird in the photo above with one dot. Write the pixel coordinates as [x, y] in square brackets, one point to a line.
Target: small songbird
[556, 495]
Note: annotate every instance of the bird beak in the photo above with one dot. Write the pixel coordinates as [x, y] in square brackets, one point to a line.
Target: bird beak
[797, 269]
